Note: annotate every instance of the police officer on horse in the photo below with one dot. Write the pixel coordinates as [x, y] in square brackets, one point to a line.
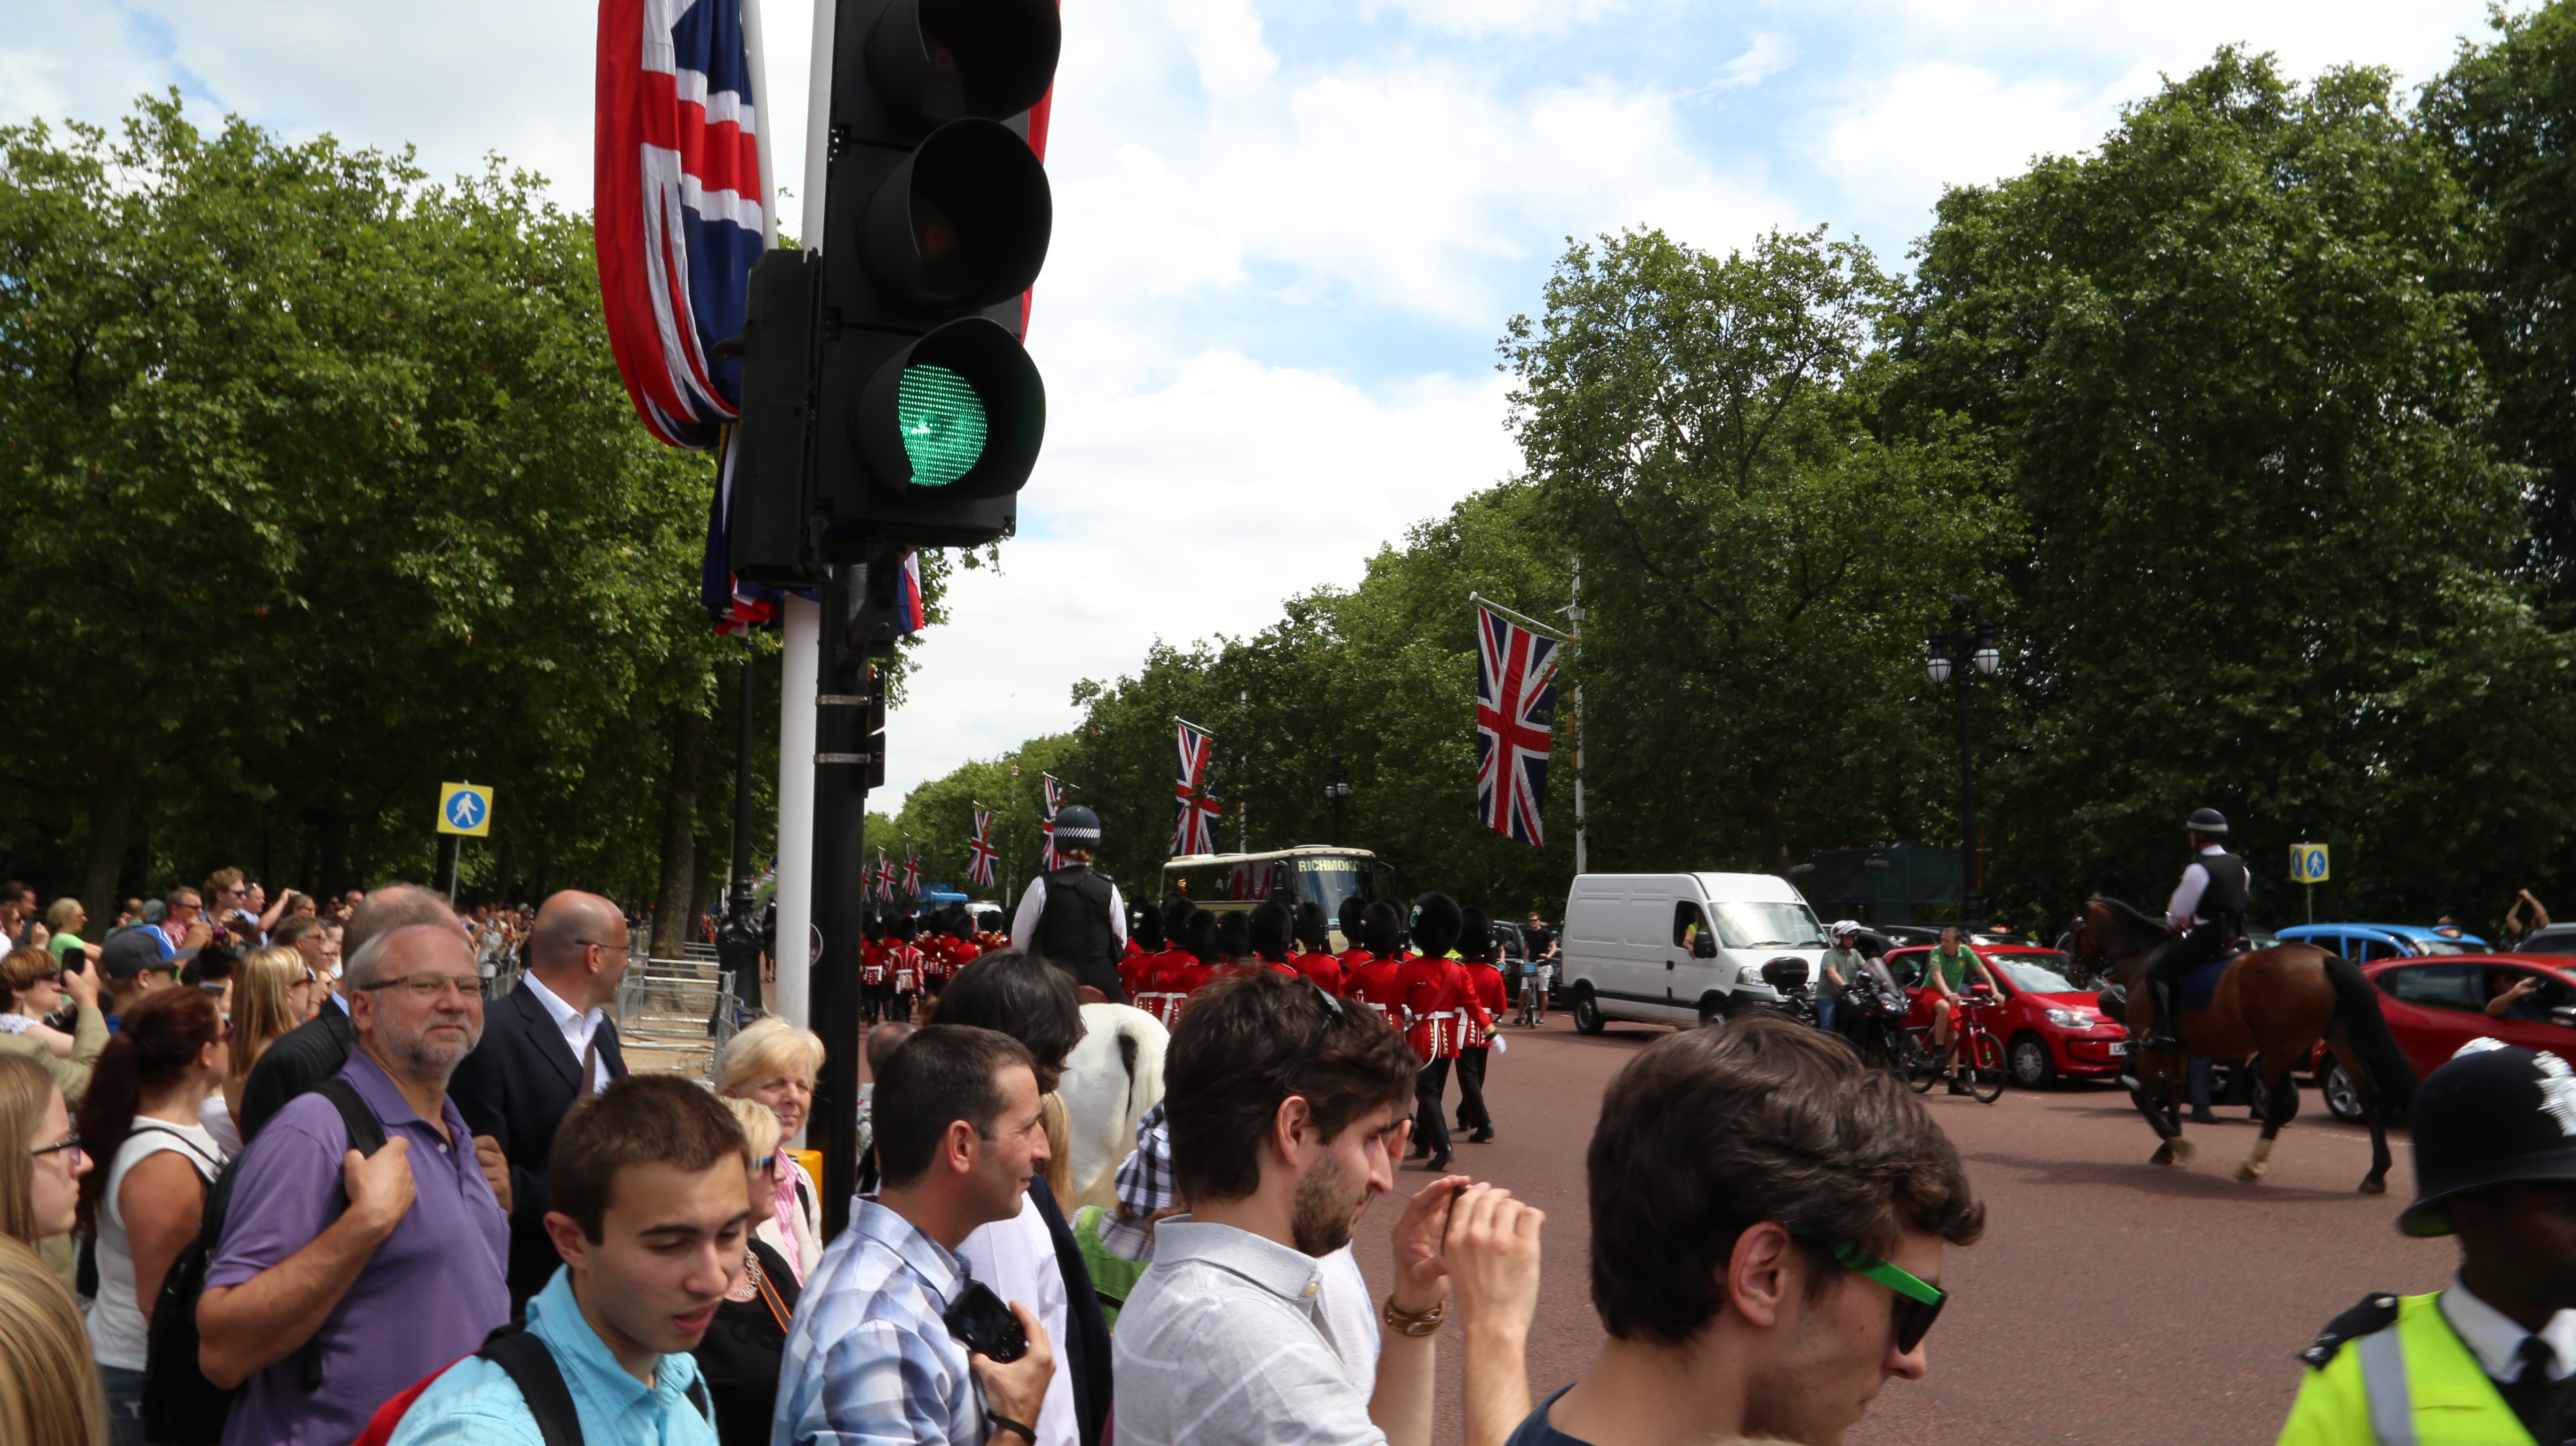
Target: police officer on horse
[1073, 916]
[2491, 1361]
[2207, 914]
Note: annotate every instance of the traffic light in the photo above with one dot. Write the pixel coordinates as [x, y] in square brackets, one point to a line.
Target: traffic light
[936, 220]
[886, 394]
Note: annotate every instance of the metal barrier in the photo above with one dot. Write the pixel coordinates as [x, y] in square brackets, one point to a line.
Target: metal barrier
[676, 1016]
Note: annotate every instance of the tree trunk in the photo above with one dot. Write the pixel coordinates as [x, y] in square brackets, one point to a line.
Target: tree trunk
[111, 812]
[679, 839]
[1764, 809]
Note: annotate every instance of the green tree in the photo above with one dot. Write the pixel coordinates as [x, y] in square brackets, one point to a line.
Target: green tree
[2268, 535]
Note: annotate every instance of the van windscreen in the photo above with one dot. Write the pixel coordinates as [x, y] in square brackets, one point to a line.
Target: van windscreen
[1744, 925]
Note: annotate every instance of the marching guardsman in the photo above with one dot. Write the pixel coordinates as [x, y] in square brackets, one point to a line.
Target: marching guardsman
[874, 997]
[1073, 916]
[2490, 1361]
[1433, 995]
[903, 961]
[1484, 1012]
[1269, 936]
[1145, 947]
[1377, 981]
[1355, 936]
[1315, 957]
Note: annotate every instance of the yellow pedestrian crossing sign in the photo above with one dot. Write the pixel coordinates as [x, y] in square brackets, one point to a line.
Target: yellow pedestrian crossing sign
[465, 808]
[2307, 863]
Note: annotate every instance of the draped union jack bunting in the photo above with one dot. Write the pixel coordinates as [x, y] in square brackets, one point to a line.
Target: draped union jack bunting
[1515, 706]
[1191, 816]
[980, 853]
[911, 873]
[1046, 825]
[883, 880]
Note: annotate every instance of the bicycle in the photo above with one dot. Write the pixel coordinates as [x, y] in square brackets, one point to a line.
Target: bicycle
[1973, 1044]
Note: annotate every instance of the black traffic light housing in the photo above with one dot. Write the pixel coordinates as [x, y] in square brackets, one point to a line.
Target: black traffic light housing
[918, 413]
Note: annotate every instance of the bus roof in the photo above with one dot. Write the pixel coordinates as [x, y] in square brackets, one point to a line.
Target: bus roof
[1295, 851]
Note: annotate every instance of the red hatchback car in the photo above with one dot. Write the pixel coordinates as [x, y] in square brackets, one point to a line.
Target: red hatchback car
[2436, 1005]
[2049, 1028]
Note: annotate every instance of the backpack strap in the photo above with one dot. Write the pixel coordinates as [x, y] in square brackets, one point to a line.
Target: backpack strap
[532, 1368]
[366, 1136]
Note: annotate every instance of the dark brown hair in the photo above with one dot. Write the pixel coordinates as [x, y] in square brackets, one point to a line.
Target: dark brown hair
[943, 1074]
[1024, 997]
[1709, 1132]
[640, 1119]
[157, 1041]
[1226, 1074]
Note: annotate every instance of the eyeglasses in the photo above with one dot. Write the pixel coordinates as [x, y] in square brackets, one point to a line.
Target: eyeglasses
[432, 986]
[1334, 1014]
[68, 1142]
[764, 1162]
[1918, 1301]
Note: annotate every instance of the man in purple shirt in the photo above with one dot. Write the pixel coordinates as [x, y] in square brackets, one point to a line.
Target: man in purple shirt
[410, 1274]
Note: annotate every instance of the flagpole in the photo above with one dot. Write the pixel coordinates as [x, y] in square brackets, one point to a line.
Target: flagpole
[1574, 615]
[1542, 629]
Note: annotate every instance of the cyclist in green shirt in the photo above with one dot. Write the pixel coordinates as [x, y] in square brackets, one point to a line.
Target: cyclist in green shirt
[1948, 969]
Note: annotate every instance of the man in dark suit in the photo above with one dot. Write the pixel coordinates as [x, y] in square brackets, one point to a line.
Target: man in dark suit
[313, 1051]
[537, 1040]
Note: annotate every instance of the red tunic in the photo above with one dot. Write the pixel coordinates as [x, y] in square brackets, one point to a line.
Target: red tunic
[1485, 1001]
[1324, 969]
[1379, 984]
[872, 962]
[905, 961]
[1131, 973]
[1434, 991]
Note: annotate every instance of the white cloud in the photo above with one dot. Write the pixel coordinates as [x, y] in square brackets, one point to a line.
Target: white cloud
[1500, 17]
[1941, 123]
[1768, 55]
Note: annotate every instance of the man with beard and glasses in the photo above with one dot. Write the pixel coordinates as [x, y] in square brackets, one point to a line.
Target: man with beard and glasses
[1768, 1216]
[1287, 1110]
[341, 1278]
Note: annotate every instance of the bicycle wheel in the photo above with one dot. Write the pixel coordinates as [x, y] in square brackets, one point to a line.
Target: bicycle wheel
[1922, 1068]
[1986, 1067]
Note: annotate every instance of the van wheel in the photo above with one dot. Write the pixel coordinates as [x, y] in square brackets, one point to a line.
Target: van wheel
[2032, 1068]
[1712, 1011]
[1587, 1013]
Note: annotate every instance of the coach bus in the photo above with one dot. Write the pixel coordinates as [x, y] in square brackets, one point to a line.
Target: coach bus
[1307, 873]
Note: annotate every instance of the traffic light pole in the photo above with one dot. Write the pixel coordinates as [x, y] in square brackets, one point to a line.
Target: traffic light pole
[840, 765]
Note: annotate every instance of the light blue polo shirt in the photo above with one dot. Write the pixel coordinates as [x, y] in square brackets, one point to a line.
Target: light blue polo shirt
[476, 1401]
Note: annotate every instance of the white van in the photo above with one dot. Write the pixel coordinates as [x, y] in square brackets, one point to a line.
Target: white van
[1679, 948]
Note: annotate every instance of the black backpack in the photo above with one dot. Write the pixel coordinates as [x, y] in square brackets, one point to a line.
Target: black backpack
[180, 1406]
[531, 1367]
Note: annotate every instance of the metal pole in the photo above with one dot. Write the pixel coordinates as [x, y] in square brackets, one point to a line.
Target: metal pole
[839, 771]
[1574, 616]
[1971, 904]
[448, 844]
[738, 939]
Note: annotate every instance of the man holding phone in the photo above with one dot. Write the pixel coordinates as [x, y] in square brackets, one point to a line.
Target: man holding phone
[894, 1339]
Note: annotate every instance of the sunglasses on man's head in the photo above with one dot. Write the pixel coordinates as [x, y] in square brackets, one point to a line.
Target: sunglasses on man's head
[1918, 1302]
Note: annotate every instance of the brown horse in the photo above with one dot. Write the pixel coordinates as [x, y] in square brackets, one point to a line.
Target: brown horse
[2275, 1003]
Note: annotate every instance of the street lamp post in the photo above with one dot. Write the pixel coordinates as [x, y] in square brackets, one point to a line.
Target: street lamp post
[1960, 657]
[1337, 786]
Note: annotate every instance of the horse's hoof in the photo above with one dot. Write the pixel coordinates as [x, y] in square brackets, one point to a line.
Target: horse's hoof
[2164, 1154]
[2249, 1172]
[2374, 1186]
[2181, 1148]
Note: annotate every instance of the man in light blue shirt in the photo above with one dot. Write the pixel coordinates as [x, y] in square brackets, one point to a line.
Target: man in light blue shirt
[652, 1216]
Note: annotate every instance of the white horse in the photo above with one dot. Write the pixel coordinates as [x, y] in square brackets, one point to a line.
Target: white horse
[1110, 1080]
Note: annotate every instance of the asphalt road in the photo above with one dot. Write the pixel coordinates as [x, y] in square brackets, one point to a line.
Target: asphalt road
[2112, 1302]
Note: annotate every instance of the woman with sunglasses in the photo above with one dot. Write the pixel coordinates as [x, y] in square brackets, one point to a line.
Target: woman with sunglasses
[30, 978]
[745, 1347]
[142, 1116]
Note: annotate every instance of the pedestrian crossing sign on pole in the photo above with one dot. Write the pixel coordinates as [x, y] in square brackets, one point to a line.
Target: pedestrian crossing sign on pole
[465, 808]
[2307, 863]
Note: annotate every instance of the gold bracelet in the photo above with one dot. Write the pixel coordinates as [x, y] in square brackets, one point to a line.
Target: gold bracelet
[1413, 1324]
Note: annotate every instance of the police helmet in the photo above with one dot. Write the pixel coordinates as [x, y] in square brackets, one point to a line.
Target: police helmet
[1077, 827]
[2494, 1115]
[2203, 820]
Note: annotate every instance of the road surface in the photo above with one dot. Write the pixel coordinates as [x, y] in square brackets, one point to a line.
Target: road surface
[2112, 1302]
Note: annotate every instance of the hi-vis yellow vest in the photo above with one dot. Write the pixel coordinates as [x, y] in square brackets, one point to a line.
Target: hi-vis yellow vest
[2416, 1383]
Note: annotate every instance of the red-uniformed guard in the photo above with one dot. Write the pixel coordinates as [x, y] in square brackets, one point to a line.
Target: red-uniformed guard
[903, 961]
[1484, 1012]
[873, 974]
[1355, 950]
[1378, 981]
[1269, 932]
[1314, 957]
[1434, 998]
[1145, 947]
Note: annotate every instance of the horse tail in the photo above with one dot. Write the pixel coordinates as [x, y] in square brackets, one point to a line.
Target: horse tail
[2391, 1078]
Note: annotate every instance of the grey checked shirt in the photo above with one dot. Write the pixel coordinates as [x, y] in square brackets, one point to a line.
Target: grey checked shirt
[1224, 1342]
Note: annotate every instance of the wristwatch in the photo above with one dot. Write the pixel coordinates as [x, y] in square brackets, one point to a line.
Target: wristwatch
[1416, 1323]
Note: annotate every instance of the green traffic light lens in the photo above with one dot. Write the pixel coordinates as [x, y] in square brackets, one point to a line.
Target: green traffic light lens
[943, 424]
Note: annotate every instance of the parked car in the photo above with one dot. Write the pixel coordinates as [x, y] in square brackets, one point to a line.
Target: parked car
[2362, 943]
[2555, 939]
[2050, 1029]
[2435, 1005]
[1679, 948]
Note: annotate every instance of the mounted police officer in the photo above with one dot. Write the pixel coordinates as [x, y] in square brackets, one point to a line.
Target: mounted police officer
[2493, 1358]
[1074, 916]
[2207, 912]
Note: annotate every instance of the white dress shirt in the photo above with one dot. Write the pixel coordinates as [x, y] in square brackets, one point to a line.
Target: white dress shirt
[578, 1028]
[1016, 1257]
[2496, 1338]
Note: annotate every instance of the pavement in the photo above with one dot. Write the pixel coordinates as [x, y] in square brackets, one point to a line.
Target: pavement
[2111, 1302]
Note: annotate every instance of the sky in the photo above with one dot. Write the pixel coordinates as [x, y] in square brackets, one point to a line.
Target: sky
[1288, 234]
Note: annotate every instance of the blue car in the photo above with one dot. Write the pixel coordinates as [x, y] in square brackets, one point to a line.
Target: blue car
[2362, 943]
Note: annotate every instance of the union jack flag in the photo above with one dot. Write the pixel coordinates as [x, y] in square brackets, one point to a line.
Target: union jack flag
[911, 873]
[1192, 816]
[1046, 826]
[884, 879]
[1515, 706]
[907, 596]
[980, 851]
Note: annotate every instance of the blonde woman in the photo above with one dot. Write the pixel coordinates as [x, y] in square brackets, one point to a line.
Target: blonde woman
[49, 1392]
[271, 994]
[27, 982]
[743, 1351]
[774, 1063]
[41, 1163]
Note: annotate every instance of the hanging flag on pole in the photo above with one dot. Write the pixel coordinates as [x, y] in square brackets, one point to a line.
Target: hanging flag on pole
[884, 880]
[980, 853]
[1515, 707]
[1054, 788]
[907, 596]
[911, 872]
[1193, 817]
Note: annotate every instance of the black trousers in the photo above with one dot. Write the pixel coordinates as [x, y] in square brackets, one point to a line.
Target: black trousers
[1471, 1090]
[2202, 944]
[1430, 1129]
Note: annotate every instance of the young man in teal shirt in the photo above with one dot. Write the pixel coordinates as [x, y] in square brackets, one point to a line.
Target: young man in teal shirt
[651, 1218]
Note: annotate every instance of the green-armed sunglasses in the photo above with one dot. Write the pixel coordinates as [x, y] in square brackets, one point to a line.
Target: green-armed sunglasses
[1918, 1301]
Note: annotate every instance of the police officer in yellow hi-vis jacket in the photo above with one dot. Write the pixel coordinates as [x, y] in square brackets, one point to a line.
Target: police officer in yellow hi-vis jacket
[2492, 1360]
